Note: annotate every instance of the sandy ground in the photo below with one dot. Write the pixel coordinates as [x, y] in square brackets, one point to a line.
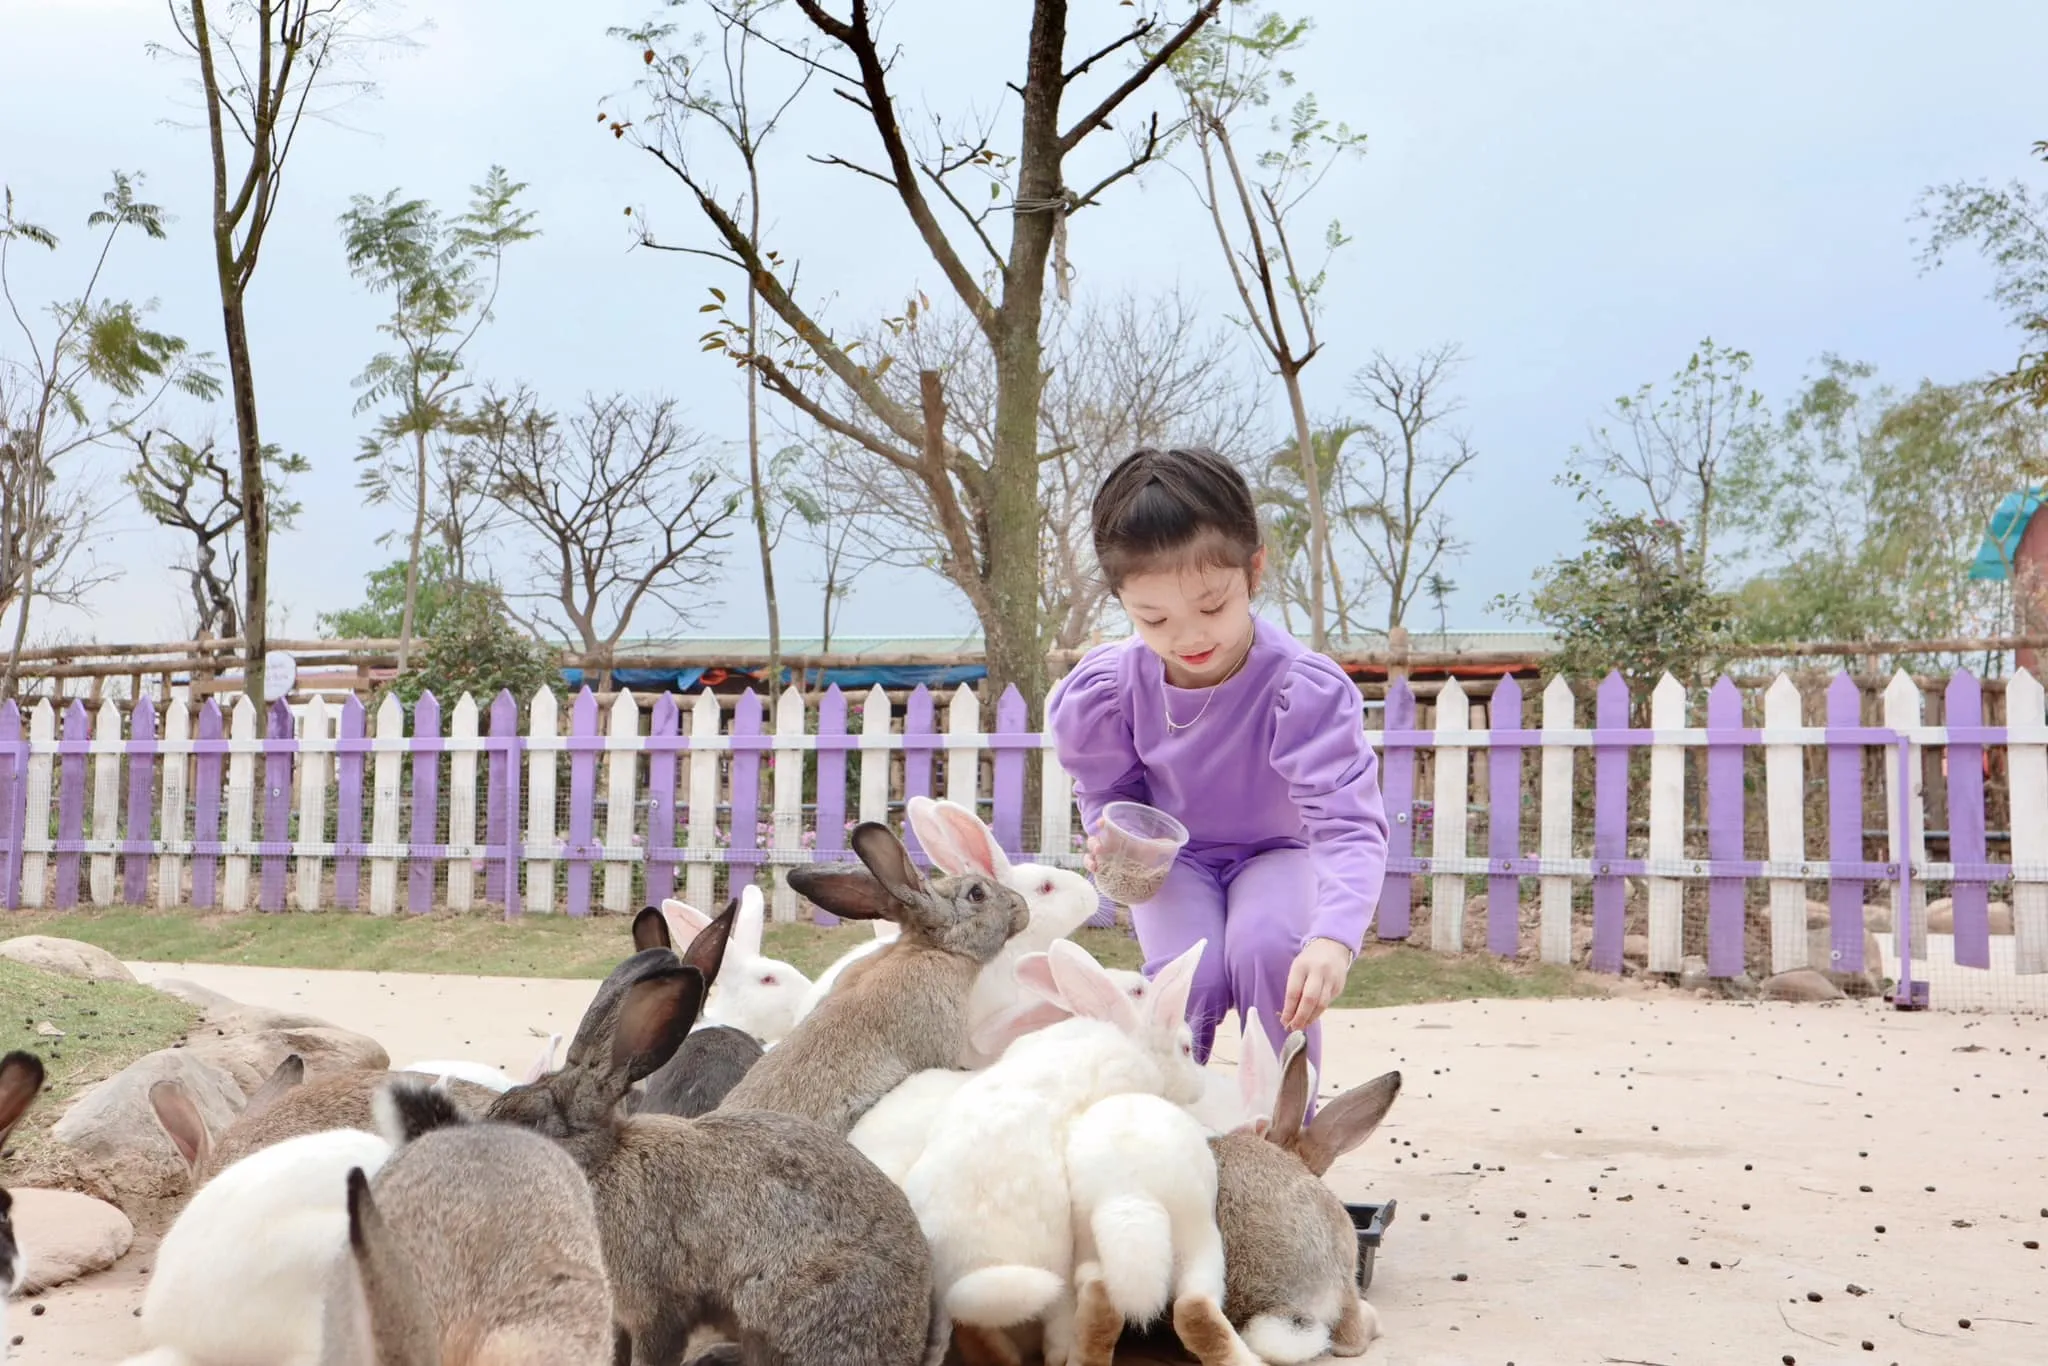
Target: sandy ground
[1650, 1179]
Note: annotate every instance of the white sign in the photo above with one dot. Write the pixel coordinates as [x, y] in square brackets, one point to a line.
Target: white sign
[280, 672]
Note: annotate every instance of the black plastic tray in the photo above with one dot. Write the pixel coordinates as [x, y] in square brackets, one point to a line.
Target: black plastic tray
[1371, 1222]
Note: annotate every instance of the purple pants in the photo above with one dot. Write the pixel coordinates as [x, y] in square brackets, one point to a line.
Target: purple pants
[1254, 910]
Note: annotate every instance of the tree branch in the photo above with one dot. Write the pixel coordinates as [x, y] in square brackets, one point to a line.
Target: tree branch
[1147, 69]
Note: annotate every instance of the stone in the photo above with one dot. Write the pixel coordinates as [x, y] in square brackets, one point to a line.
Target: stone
[1877, 919]
[2000, 915]
[1692, 975]
[192, 994]
[64, 1235]
[250, 1058]
[1800, 984]
[66, 958]
[111, 1137]
[1635, 948]
[1820, 956]
[1941, 916]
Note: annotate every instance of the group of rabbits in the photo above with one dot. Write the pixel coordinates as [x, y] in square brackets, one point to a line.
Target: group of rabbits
[973, 1138]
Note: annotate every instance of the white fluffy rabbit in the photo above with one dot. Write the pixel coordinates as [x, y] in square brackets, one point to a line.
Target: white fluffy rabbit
[892, 1135]
[483, 1074]
[990, 1189]
[1245, 1101]
[886, 932]
[1143, 1181]
[241, 1278]
[754, 993]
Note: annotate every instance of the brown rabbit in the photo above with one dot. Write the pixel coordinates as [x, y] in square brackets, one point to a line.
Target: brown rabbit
[1290, 1251]
[285, 1106]
[905, 1009]
[475, 1243]
[766, 1229]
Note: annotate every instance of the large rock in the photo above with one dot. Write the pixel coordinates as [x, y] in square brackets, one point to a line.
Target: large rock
[1800, 984]
[192, 994]
[1941, 916]
[66, 958]
[1820, 956]
[65, 1235]
[117, 1149]
[1877, 919]
[251, 1058]
[1693, 974]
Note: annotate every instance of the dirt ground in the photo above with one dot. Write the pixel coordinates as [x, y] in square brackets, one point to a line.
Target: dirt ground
[1647, 1179]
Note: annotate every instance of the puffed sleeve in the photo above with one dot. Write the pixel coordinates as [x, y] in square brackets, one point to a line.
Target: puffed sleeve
[1319, 747]
[1091, 734]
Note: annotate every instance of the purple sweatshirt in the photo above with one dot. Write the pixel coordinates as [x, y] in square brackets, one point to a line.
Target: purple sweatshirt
[1279, 760]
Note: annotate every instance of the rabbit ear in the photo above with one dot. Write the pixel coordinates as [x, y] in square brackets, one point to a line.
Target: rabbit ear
[935, 836]
[747, 929]
[849, 893]
[1167, 1001]
[650, 929]
[1346, 1122]
[1000, 1031]
[543, 1064]
[654, 1018]
[182, 1123]
[1290, 1106]
[684, 914]
[403, 1326]
[709, 948]
[1086, 989]
[1258, 1071]
[1034, 974]
[289, 1074]
[882, 854]
[975, 842]
[21, 1077]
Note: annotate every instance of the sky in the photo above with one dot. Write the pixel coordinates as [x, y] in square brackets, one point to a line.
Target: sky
[1576, 193]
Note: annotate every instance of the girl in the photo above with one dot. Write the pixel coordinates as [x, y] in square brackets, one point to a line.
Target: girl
[1253, 741]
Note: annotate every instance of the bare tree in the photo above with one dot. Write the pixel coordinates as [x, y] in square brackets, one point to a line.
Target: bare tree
[619, 508]
[1677, 449]
[1121, 373]
[98, 370]
[1000, 287]
[1227, 76]
[1392, 493]
[193, 489]
[260, 62]
[831, 492]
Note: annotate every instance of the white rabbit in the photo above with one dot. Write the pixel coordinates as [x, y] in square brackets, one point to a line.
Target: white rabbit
[892, 1135]
[1060, 901]
[482, 1074]
[990, 1189]
[1246, 1100]
[754, 993]
[241, 1277]
[1143, 1181]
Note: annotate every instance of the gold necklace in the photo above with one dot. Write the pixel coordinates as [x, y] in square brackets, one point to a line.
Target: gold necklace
[1166, 709]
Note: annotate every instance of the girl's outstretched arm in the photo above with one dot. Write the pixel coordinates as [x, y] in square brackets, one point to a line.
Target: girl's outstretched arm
[1319, 747]
[1092, 736]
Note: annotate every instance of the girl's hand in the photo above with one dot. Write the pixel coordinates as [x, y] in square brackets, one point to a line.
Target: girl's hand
[1088, 859]
[1313, 982]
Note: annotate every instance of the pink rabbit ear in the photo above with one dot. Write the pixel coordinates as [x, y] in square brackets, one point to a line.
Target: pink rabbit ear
[684, 917]
[1000, 1031]
[1167, 1001]
[1258, 1068]
[976, 842]
[1034, 974]
[1086, 989]
[749, 925]
[935, 836]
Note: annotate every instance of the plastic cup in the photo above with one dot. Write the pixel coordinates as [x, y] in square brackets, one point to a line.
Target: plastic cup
[1138, 845]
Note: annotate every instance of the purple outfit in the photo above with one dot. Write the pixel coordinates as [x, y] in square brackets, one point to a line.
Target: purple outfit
[1287, 832]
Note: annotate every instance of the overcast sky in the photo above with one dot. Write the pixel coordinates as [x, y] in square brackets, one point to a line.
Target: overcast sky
[1576, 192]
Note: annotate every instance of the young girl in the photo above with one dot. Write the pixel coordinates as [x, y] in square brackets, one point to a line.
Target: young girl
[1253, 741]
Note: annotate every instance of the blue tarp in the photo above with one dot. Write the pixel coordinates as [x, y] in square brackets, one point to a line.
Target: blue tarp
[847, 679]
[2002, 541]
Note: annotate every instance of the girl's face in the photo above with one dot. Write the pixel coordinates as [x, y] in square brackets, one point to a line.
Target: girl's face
[1198, 619]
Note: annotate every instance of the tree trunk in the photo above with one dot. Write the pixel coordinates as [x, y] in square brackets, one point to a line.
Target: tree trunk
[412, 556]
[255, 497]
[1318, 521]
[754, 447]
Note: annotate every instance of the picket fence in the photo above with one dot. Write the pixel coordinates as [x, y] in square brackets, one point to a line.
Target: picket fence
[476, 816]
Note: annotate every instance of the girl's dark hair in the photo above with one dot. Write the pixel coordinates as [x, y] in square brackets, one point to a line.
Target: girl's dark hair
[1161, 508]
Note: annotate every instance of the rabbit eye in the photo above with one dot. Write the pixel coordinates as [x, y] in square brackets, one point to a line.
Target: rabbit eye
[1045, 887]
[768, 979]
[977, 893]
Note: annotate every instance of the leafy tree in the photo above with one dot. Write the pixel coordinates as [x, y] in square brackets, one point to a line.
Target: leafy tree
[475, 647]
[382, 609]
[96, 372]
[2009, 227]
[443, 279]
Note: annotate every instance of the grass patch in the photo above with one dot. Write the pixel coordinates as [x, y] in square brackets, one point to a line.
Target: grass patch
[567, 947]
[106, 1025]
